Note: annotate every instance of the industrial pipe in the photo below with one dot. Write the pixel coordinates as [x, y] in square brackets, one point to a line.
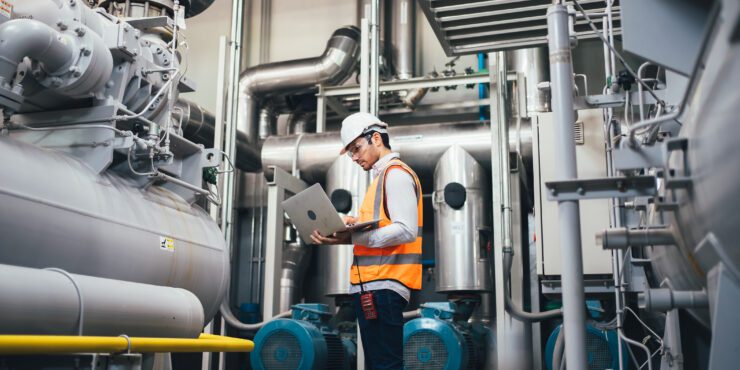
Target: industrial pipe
[52, 344]
[561, 76]
[421, 146]
[301, 122]
[49, 302]
[333, 67]
[515, 310]
[234, 322]
[198, 125]
[624, 238]
[22, 38]
[295, 262]
[403, 13]
[667, 299]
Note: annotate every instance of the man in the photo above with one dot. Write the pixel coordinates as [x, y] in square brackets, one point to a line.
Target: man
[387, 260]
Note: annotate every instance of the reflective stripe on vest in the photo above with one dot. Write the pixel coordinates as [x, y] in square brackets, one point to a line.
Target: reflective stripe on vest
[401, 263]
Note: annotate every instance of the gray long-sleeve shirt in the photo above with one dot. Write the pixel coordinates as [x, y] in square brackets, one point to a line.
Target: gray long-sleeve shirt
[400, 194]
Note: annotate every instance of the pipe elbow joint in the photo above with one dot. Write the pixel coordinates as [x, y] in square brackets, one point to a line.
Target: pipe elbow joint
[20, 38]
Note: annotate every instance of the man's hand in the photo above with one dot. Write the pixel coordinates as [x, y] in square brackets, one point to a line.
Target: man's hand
[343, 237]
[349, 220]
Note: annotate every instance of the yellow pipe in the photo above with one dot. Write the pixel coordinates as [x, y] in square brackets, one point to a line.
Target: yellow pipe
[56, 344]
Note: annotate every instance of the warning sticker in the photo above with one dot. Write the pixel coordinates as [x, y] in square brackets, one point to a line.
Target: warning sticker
[165, 243]
[6, 8]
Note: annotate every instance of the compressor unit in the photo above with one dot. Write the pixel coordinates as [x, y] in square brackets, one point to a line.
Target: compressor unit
[304, 342]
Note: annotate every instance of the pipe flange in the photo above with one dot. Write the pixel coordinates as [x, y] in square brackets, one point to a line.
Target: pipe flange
[88, 71]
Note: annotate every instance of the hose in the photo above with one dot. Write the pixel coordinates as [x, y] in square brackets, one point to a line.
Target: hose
[515, 310]
[234, 322]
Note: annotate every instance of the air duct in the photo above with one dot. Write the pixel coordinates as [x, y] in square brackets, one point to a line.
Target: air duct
[333, 67]
[421, 146]
[402, 34]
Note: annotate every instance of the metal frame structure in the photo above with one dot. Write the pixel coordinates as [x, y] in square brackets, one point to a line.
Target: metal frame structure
[484, 26]
[279, 185]
[327, 96]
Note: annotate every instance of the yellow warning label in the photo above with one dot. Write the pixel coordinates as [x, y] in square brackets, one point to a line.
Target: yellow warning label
[6, 8]
[165, 243]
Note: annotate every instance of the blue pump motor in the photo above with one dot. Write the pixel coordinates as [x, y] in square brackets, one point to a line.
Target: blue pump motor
[442, 339]
[601, 348]
[304, 342]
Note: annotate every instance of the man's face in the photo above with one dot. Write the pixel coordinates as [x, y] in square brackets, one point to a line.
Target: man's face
[363, 153]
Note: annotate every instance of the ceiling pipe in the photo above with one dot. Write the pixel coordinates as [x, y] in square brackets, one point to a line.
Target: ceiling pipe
[333, 67]
[402, 34]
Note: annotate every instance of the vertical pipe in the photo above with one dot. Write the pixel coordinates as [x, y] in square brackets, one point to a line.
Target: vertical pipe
[374, 55]
[561, 74]
[230, 136]
[402, 30]
[364, 65]
[481, 87]
[613, 215]
[218, 134]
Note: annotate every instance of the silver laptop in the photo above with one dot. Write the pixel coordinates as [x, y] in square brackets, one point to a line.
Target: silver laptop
[312, 210]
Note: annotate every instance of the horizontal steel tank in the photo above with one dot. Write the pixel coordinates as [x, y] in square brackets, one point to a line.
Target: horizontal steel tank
[57, 212]
[461, 223]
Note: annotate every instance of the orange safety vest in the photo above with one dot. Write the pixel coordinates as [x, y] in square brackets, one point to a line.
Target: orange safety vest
[401, 263]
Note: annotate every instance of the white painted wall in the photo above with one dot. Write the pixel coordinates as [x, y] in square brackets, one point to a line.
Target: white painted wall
[202, 35]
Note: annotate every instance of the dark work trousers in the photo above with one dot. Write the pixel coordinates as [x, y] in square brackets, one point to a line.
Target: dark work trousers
[382, 338]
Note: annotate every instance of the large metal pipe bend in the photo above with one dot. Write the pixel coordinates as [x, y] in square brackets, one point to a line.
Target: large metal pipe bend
[332, 67]
[20, 38]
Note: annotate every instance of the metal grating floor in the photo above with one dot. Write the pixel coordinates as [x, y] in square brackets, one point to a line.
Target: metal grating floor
[467, 26]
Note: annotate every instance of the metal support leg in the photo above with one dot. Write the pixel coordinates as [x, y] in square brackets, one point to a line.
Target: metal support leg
[561, 74]
[279, 184]
[673, 353]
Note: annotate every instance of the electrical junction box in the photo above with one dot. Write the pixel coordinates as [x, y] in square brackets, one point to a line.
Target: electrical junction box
[588, 132]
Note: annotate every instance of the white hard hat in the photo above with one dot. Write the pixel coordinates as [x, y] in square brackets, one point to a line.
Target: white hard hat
[357, 124]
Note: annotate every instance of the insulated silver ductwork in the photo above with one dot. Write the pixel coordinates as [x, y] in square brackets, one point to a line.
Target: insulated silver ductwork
[199, 125]
[533, 63]
[52, 302]
[333, 67]
[461, 223]
[57, 212]
[301, 122]
[420, 146]
[295, 263]
[402, 34]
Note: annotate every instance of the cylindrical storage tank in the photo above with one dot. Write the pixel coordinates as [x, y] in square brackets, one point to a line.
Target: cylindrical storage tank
[346, 183]
[57, 212]
[461, 223]
[48, 303]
